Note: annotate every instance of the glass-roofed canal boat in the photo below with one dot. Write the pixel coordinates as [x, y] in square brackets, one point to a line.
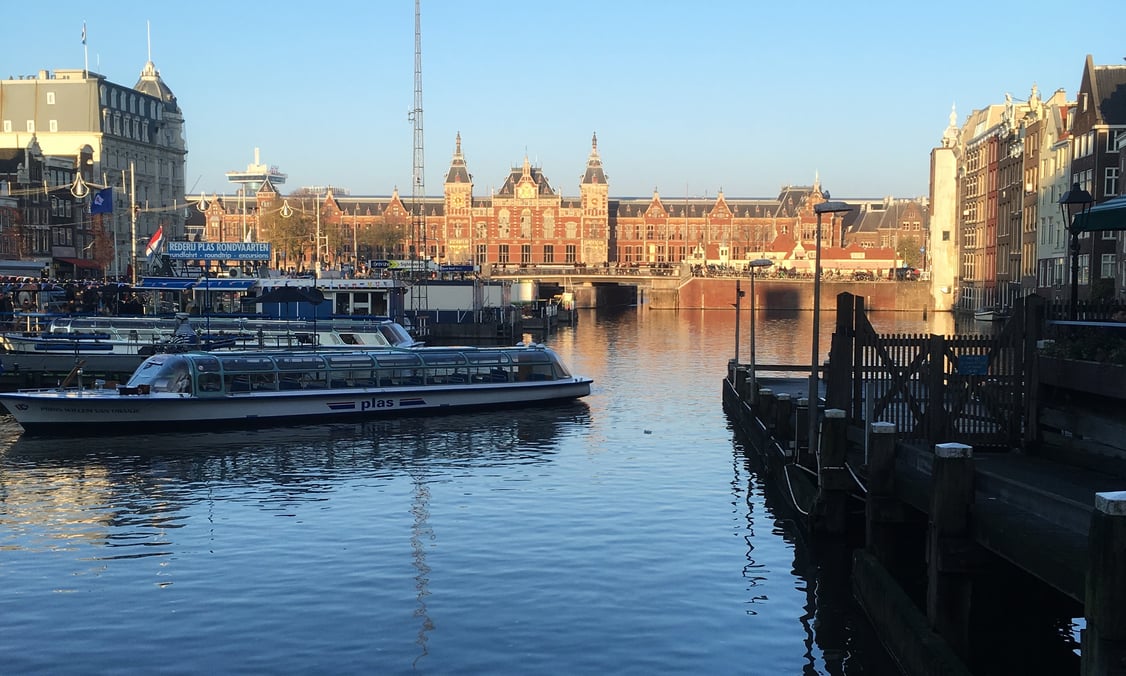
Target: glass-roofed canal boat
[247, 388]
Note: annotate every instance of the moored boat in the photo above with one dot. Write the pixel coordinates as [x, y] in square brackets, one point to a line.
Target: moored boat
[246, 388]
[147, 335]
[991, 314]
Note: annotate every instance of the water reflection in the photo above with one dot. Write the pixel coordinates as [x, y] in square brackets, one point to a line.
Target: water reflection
[836, 631]
[122, 490]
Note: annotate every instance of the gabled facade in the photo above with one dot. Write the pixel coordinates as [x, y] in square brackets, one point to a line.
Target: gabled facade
[1049, 177]
[1100, 116]
[129, 137]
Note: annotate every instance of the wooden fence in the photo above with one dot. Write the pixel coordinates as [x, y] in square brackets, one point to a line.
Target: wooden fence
[971, 389]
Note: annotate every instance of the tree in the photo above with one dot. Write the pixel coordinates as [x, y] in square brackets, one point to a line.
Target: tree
[101, 250]
[290, 229]
[907, 250]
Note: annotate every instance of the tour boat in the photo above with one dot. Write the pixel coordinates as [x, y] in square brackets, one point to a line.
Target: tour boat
[273, 387]
[147, 335]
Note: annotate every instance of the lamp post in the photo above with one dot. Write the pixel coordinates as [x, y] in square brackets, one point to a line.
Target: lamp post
[754, 266]
[1073, 203]
[826, 207]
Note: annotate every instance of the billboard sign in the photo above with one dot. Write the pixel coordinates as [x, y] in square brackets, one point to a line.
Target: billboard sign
[219, 251]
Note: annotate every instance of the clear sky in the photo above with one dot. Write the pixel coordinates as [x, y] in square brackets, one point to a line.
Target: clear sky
[686, 97]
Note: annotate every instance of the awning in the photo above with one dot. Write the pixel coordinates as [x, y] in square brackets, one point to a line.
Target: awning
[166, 283]
[225, 284]
[84, 263]
[1110, 215]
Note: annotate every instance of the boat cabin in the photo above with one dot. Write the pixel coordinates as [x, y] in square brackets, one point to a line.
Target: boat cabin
[204, 374]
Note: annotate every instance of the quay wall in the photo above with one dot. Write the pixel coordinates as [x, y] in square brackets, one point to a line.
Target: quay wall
[710, 293]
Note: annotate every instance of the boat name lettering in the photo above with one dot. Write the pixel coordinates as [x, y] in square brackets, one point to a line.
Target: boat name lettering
[377, 403]
[80, 409]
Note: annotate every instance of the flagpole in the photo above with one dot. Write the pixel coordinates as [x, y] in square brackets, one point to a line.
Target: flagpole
[116, 244]
[85, 54]
[133, 220]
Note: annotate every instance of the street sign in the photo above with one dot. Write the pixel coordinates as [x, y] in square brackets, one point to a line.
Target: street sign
[379, 265]
[973, 364]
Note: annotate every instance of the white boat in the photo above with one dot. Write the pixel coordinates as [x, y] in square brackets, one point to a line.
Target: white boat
[991, 314]
[97, 335]
[246, 388]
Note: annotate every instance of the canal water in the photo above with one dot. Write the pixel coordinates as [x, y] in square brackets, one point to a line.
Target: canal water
[627, 533]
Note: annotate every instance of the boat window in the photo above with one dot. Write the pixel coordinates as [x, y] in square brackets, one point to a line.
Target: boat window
[163, 375]
[534, 365]
[398, 359]
[488, 358]
[149, 370]
[299, 362]
[395, 334]
[209, 382]
[246, 363]
[205, 363]
[350, 361]
[443, 358]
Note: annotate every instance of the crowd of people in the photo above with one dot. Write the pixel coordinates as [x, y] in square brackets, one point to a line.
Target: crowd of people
[31, 294]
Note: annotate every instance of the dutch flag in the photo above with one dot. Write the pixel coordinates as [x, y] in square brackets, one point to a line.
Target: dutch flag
[153, 247]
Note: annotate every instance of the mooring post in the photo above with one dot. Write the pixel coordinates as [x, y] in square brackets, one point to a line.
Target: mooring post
[833, 478]
[783, 409]
[765, 408]
[801, 432]
[882, 511]
[1104, 639]
[949, 547]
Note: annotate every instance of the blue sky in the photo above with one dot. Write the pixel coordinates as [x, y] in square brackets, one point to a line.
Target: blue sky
[686, 97]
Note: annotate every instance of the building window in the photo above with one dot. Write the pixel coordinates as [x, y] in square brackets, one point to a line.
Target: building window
[525, 254]
[502, 254]
[54, 125]
[570, 254]
[50, 98]
[548, 253]
[1085, 269]
[482, 254]
[7, 126]
[1110, 185]
[31, 126]
[1107, 266]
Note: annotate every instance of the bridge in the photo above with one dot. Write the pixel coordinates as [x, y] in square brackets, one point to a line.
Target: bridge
[666, 286]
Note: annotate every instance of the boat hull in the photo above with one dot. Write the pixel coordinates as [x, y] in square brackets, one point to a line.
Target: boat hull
[68, 412]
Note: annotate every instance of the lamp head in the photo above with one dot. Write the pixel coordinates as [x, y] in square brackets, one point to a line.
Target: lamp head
[1075, 202]
[831, 207]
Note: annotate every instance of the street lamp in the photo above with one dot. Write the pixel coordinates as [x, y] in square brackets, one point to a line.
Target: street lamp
[1075, 202]
[754, 265]
[826, 207]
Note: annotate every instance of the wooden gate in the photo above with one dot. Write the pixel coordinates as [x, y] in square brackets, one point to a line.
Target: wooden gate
[970, 389]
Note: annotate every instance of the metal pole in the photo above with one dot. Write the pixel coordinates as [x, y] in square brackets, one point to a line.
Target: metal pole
[752, 369]
[738, 304]
[1073, 310]
[133, 221]
[815, 360]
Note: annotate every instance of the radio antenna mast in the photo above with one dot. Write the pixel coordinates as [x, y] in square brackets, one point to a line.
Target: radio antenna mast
[419, 248]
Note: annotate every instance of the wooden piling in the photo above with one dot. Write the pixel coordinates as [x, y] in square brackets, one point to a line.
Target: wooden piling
[833, 478]
[882, 511]
[783, 411]
[765, 408]
[949, 546]
[801, 433]
[1104, 639]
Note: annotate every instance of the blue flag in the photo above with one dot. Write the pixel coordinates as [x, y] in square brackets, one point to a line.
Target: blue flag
[102, 202]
